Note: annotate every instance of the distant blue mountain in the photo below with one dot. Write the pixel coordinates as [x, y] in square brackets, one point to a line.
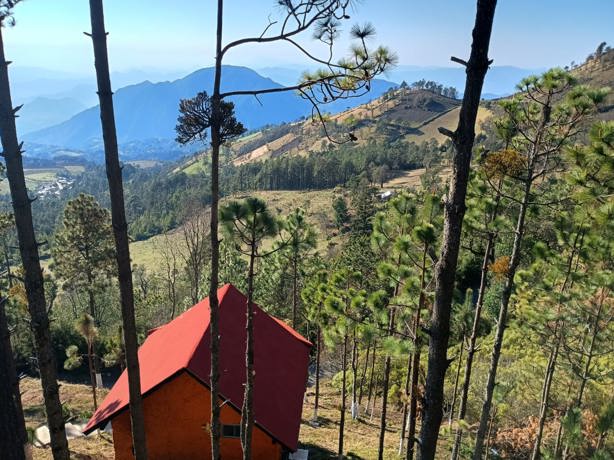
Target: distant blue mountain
[147, 111]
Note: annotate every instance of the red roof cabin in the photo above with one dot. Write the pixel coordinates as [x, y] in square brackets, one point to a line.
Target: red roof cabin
[175, 365]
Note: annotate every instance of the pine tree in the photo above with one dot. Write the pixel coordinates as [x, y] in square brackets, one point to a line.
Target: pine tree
[83, 250]
[248, 223]
[544, 124]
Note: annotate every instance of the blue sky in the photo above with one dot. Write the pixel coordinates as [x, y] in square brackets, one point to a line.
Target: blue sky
[150, 34]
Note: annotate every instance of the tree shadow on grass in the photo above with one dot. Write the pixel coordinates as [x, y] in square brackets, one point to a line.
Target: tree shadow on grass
[321, 453]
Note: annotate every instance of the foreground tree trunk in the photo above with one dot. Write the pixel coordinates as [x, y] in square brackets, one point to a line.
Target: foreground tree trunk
[33, 274]
[216, 121]
[120, 226]
[454, 212]
[247, 412]
[13, 438]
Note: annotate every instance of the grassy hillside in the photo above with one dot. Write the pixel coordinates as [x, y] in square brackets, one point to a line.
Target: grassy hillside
[399, 115]
[316, 203]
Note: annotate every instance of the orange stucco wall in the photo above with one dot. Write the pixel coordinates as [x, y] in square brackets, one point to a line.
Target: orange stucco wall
[175, 416]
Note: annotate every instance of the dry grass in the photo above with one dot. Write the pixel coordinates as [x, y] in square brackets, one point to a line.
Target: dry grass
[77, 402]
[361, 436]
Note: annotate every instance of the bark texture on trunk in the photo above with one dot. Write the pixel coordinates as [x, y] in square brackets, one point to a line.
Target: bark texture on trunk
[33, 274]
[13, 437]
[215, 242]
[454, 212]
[247, 414]
[120, 226]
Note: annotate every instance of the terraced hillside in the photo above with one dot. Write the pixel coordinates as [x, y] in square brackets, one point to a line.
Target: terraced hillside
[402, 114]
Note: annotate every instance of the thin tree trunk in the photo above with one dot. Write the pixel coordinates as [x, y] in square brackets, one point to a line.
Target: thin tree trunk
[509, 281]
[502, 321]
[354, 408]
[33, 275]
[215, 243]
[317, 397]
[13, 438]
[294, 292]
[456, 380]
[415, 366]
[590, 354]
[386, 383]
[374, 398]
[543, 408]
[371, 375]
[364, 374]
[247, 414]
[491, 422]
[454, 212]
[343, 397]
[90, 360]
[405, 414]
[471, 349]
[559, 436]
[120, 226]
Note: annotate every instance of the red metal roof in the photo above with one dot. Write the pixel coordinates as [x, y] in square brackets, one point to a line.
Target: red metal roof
[281, 358]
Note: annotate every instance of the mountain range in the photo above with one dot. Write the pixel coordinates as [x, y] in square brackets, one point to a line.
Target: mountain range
[147, 110]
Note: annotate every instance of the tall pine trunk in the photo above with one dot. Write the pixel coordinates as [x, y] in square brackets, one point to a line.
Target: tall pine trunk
[454, 212]
[33, 274]
[471, 349]
[90, 361]
[415, 365]
[543, 407]
[385, 386]
[509, 280]
[13, 438]
[404, 415]
[502, 321]
[343, 398]
[456, 381]
[354, 408]
[317, 396]
[371, 377]
[120, 226]
[364, 374]
[247, 413]
[216, 122]
[294, 291]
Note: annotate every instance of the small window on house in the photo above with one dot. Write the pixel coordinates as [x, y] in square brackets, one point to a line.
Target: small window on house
[231, 431]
